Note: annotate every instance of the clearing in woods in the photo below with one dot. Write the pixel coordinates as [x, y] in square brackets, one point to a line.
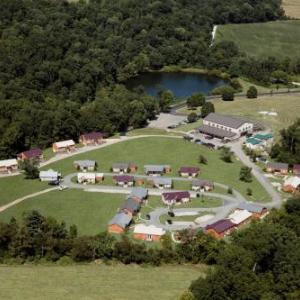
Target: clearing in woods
[292, 8]
[278, 39]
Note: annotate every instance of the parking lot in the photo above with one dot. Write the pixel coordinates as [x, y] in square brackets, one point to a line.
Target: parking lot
[164, 121]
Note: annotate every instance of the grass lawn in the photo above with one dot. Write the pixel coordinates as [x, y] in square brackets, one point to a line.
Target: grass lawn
[264, 39]
[89, 211]
[96, 282]
[189, 126]
[15, 187]
[292, 8]
[164, 218]
[160, 150]
[286, 106]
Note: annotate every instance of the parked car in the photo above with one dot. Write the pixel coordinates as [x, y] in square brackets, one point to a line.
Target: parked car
[148, 217]
[209, 145]
[169, 222]
[208, 137]
[188, 137]
[54, 182]
[198, 141]
[171, 126]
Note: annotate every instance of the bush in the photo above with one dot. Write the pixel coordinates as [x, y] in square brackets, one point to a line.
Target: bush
[228, 96]
[202, 159]
[249, 192]
[245, 174]
[207, 108]
[229, 190]
[252, 92]
[192, 117]
[234, 83]
[222, 89]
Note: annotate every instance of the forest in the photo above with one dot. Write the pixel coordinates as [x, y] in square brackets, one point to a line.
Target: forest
[56, 56]
[261, 261]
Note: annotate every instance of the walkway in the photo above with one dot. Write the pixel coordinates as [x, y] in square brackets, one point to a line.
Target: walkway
[10, 204]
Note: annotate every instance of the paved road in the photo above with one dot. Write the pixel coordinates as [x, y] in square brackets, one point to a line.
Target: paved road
[229, 201]
[256, 171]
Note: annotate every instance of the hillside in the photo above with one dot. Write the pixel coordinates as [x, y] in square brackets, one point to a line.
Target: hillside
[279, 39]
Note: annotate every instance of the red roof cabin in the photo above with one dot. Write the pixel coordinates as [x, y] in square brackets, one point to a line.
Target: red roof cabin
[296, 170]
[220, 228]
[92, 138]
[36, 154]
[124, 180]
[176, 197]
[189, 171]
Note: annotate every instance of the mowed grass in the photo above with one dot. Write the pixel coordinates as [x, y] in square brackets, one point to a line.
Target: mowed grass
[96, 282]
[286, 106]
[292, 8]
[279, 39]
[167, 150]
[14, 187]
[89, 211]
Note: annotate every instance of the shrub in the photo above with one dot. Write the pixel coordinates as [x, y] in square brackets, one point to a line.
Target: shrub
[252, 92]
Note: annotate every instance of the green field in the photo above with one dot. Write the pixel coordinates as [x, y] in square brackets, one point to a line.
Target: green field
[172, 151]
[279, 39]
[286, 106]
[89, 211]
[14, 187]
[96, 282]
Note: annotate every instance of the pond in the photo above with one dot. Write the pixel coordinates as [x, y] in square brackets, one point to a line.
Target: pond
[180, 83]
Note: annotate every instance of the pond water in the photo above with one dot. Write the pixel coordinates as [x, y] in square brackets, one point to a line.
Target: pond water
[180, 83]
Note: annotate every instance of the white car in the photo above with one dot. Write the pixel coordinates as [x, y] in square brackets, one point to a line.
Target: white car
[62, 187]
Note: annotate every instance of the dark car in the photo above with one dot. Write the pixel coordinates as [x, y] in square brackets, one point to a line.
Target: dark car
[171, 127]
[148, 217]
[54, 182]
[208, 137]
[169, 222]
[209, 145]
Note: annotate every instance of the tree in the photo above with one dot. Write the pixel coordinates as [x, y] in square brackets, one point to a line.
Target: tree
[165, 99]
[279, 76]
[30, 167]
[227, 96]
[187, 295]
[207, 108]
[192, 117]
[229, 190]
[226, 154]
[202, 159]
[245, 174]
[249, 192]
[288, 149]
[195, 100]
[252, 92]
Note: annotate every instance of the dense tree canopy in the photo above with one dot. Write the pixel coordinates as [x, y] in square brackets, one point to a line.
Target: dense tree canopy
[56, 55]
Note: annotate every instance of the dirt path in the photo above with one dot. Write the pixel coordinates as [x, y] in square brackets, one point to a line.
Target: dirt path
[15, 202]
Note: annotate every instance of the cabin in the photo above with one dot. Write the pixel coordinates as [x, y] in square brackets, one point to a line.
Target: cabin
[258, 211]
[131, 206]
[291, 185]
[202, 185]
[149, 233]
[240, 217]
[124, 180]
[34, 154]
[119, 223]
[171, 198]
[64, 146]
[225, 127]
[161, 182]
[124, 168]
[92, 138]
[220, 228]
[49, 175]
[157, 170]
[8, 166]
[296, 170]
[89, 178]
[278, 168]
[139, 193]
[85, 165]
[189, 171]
